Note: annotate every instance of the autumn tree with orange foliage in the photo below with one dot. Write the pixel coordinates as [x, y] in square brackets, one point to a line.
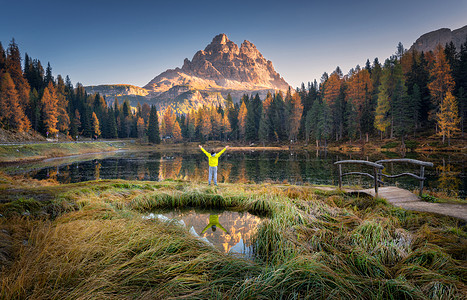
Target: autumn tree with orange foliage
[49, 103]
[442, 81]
[11, 114]
[168, 122]
[448, 117]
[359, 92]
[294, 110]
[332, 94]
[177, 133]
[242, 120]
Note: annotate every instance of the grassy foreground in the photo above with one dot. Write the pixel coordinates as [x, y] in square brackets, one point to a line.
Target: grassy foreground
[88, 241]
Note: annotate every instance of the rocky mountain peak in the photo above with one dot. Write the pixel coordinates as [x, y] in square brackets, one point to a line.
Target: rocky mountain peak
[222, 67]
[220, 39]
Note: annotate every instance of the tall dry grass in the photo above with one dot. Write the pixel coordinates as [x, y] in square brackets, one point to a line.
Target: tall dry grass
[310, 245]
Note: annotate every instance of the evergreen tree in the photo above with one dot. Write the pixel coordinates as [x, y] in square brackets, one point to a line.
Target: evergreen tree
[266, 129]
[2, 58]
[48, 75]
[250, 126]
[153, 127]
[402, 111]
[111, 125]
[415, 104]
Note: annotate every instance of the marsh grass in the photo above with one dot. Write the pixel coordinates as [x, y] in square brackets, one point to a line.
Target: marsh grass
[310, 245]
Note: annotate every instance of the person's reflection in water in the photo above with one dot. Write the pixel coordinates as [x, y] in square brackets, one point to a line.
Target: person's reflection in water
[213, 224]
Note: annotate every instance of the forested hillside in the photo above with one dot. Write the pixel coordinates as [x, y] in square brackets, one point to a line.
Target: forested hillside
[411, 93]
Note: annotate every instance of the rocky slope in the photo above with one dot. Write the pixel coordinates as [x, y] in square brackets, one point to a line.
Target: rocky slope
[443, 36]
[221, 68]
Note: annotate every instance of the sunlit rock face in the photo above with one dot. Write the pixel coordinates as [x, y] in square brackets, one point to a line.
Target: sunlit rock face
[220, 69]
[443, 36]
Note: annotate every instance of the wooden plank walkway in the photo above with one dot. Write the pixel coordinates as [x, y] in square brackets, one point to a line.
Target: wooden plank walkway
[407, 200]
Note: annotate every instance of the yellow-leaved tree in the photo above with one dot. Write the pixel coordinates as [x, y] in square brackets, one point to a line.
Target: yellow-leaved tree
[448, 117]
[49, 104]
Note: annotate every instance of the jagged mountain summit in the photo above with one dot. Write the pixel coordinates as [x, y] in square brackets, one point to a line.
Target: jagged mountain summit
[221, 68]
[429, 41]
[224, 67]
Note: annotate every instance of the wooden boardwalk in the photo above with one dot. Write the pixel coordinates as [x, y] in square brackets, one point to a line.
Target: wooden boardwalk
[407, 200]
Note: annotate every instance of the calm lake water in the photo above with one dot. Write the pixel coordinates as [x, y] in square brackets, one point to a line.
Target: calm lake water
[294, 167]
[228, 231]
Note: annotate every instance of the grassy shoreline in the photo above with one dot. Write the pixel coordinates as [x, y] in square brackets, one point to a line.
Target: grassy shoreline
[88, 240]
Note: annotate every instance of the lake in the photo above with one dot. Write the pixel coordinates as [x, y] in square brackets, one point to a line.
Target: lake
[228, 231]
[293, 167]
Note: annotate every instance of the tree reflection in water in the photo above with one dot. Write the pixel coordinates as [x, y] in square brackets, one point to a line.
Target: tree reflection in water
[254, 166]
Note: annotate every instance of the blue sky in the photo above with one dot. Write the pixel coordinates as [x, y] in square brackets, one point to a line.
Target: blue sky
[113, 42]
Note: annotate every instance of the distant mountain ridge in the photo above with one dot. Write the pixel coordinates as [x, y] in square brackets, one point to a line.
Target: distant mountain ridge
[221, 68]
[429, 41]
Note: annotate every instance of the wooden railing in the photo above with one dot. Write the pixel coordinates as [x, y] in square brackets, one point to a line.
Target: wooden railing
[378, 168]
[421, 178]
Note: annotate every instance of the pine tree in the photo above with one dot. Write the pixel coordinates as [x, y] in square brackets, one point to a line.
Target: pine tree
[448, 118]
[2, 58]
[402, 111]
[111, 124]
[153, 127]
[48, 75]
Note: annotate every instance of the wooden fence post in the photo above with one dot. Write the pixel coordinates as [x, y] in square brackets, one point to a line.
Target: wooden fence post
[340, 176]
[376, 182]
[422, 175]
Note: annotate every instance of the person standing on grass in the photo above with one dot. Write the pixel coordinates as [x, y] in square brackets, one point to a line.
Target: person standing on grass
[213, 162]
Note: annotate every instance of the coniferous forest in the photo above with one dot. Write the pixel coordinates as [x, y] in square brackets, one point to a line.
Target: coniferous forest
[408, 95]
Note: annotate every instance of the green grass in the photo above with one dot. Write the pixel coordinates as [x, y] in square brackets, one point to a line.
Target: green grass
[311, 244]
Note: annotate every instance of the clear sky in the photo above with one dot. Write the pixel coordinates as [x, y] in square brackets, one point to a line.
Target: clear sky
[113, 41]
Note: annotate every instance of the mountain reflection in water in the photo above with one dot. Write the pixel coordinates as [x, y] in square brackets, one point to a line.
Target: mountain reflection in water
[232, 231]
[294, 167]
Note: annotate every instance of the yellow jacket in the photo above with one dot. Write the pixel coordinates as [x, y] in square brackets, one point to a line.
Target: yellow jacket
[213, 160]
[214, 220]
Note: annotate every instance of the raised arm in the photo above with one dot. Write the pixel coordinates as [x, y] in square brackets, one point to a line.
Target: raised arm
[222, 151]
[204, 151]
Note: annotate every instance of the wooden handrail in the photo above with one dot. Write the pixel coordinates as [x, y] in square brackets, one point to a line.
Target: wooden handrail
[376, 167]
[406, 160]
[420, 163]
[361, 162]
